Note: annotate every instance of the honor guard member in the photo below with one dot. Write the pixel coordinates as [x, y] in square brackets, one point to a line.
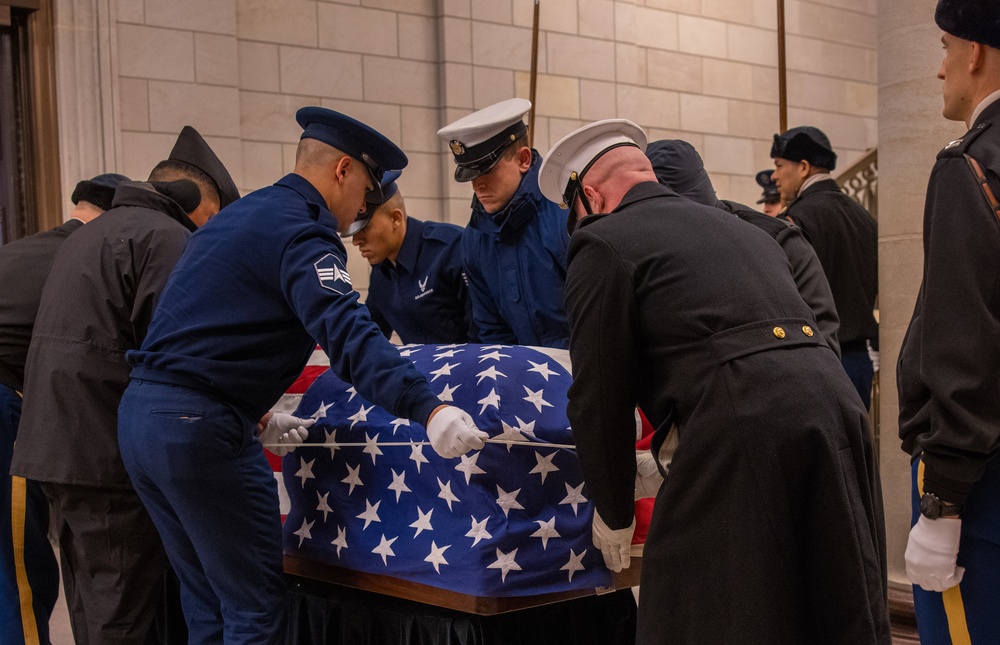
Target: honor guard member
[256, 290]
[679, 167]
[417, 287]
[770, 199]
[769, 528]
[845, 237]
[96, 305]
[948, 379]
[26, 602]
[514, 247]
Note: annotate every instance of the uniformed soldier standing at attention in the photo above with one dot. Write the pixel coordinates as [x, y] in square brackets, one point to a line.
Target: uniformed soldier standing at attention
[514, 246]
[26, 602]
[769, 528]
[948, 375]
[845, 237]
[418, 287]
[256, 289]
[770, 197]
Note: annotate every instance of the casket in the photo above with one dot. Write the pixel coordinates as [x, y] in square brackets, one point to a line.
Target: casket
[368, 494]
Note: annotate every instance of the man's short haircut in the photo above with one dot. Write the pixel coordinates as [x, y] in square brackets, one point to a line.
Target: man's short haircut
[512, 149]
[313, 152]
[172, 170]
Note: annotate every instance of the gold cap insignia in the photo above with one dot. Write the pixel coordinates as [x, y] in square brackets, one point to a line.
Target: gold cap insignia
[456, 147]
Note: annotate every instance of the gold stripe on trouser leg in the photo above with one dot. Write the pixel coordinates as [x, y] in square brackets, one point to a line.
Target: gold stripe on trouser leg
[954, 608]
[18, 505]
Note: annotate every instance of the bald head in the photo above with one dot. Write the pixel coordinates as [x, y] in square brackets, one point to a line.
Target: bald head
[613, 175]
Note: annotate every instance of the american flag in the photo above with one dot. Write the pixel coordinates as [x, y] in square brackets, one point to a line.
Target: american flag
[511, 519]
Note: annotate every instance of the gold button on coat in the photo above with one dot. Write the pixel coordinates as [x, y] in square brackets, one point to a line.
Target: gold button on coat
[807, 330]
[778, 332]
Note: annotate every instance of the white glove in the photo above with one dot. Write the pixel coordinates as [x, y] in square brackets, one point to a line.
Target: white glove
[873, 357]
[286, 430]
[452, 432]
[931, 553]
[647, 476]
[614, 544]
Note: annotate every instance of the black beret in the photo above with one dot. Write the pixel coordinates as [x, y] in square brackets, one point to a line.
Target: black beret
[360, 141]
[192, 149]
[678, 166]
[974, 20]
[770, 193]
[805, 143]
[99, 191]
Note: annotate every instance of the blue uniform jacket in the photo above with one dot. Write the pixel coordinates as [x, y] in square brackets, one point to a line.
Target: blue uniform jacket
[516, 264]
[256, 288]
[424, 296]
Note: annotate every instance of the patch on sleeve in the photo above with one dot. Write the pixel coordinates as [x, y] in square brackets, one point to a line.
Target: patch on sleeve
[333, 274]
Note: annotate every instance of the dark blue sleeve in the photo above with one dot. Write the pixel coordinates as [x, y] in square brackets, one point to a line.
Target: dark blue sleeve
[490, 326]
[317, 286]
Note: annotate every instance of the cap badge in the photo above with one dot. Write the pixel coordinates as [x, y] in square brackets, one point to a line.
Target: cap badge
[456, 147]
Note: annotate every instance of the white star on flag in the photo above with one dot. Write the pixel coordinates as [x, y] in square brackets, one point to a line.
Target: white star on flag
[361, 415]
[436, 556]
[446, 493]
[353, 477]
[423, 522]
[331, 441]
[305, 470]
[527, 428]
[417, 455]
[495, 356]
[303, 531]
[544, 466]
[491, 399]
[384, 549]
[574, 497]
[371, 447]
[485, 347]
[507, 501]
[320, 412]
[398, 484]
[469, 467]
[478, 531]
[545, 531]
[446, 393]
[542, 368]
[444, 370]
[510, 433]
[448, 354]
[323, 504]
[452, 346]
[352, 392]
[505, 562]
[575, 563]
[395, 423]
[407, 352]
[341, 541]
[490, 372]
[536, 398]
[371, 513]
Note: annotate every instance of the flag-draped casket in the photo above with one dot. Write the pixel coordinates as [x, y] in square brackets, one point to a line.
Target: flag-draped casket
[511, 519]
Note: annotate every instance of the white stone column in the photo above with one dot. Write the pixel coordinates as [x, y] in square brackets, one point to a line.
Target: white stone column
[911, 132]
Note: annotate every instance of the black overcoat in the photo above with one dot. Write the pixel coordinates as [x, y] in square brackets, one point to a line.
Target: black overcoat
[769, 527]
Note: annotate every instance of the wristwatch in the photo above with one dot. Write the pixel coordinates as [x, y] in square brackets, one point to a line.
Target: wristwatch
[932, 507]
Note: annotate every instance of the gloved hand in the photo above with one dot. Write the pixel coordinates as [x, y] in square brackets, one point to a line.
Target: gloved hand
[452, 432]
[931, 553]
[647, 476]
[286, 430]
[613, 543]
[873, 357]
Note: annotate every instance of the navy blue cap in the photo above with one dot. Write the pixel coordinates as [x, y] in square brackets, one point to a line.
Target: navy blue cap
[679, 167]
[805, 143]
[972, 20]
[374, 199]
[360, 141]
[192, 149]
[770, 193]
[99, 190]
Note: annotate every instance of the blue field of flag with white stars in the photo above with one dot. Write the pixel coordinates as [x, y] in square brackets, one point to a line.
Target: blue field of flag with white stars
[511, 519]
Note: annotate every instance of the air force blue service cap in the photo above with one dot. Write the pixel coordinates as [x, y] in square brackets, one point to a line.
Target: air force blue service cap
[805, 143]
[373, 200]
[770, 194]
[973, 20]
[479, 140]
[192, 149]
[99, 190]
[360, 141]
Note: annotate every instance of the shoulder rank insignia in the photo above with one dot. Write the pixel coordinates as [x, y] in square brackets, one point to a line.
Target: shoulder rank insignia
[954, 144]
[333, 274]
